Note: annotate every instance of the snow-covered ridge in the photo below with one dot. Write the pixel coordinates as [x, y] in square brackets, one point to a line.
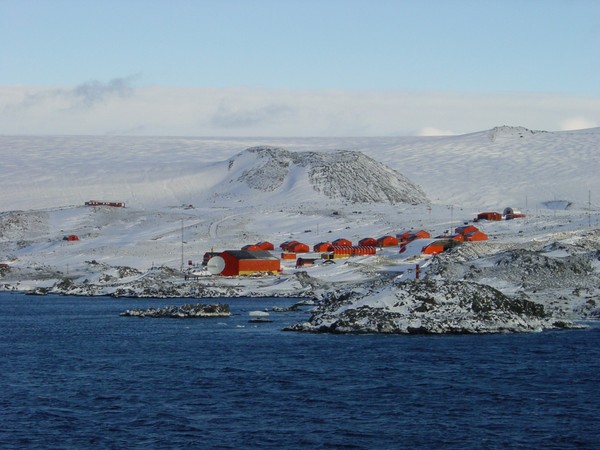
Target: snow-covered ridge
[344, 175]
[505, 165]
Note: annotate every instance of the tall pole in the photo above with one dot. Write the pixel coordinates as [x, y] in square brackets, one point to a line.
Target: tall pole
[590, 208]
[181, 245]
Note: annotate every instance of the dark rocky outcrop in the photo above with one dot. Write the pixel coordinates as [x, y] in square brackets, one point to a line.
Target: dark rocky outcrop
[428, 307]
[182, 312]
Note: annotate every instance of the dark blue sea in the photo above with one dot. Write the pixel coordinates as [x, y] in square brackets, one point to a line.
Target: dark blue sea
[75, 375]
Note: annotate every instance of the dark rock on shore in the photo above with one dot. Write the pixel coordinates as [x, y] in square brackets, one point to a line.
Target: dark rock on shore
[182, 312]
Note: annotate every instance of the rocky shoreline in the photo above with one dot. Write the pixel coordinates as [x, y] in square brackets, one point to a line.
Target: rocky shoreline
[429, 307]
[487, 288]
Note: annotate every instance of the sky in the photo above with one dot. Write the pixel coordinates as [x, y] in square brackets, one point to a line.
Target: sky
[297, 67]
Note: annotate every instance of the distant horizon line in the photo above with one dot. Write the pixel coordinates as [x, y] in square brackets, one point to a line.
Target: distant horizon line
[516, 127]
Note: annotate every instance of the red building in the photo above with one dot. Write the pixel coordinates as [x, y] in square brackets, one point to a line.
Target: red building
[476, 236]
[322, 247]
[368, 242]
[298, 247]
[387, 241]
[466, 229]
[489, 216]
[265, 245]
[342, 243]
[241, 262]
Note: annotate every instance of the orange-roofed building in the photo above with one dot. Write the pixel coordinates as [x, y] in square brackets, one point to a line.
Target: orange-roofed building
[298, 247]
[368, 242]
[251, 248]
[265, 245]
[342, 243]
[476, 236]
[466, 229]
[285, 246]
[387, 241]
[322, 247]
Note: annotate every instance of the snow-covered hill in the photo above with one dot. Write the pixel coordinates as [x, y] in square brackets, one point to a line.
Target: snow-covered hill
[296, 176]
[506, 165]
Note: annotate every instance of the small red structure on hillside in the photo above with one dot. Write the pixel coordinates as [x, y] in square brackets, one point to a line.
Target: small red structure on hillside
[439, 246]
[251, 248]
[298, 247]
[368, 242]
[341, 242]
[490, 215]
[301, 262]
[411, 235]
[286, 245]
[322, 247]
[476, 236]
[387, 241]
[466, 229]
[265, 245]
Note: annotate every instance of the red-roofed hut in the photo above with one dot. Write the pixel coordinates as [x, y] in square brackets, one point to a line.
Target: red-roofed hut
[286, 245]
[265, 245]
[322, 247]
[298, 247]
[489, 216]
[409, 236]
[368, 242]
[466, 229]
[251, 248]
[387, 241]
[341, 242]
[476, 236]
[439, 246]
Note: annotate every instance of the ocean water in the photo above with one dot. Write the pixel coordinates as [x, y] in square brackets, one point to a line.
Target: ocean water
[74, 375]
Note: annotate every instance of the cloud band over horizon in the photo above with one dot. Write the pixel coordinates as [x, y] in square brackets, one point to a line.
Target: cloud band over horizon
[118, 107]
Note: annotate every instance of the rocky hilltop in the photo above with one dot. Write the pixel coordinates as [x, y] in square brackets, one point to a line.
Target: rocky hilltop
[341, 175]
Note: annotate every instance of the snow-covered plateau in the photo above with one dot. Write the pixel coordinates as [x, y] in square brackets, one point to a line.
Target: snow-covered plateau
[187, 196]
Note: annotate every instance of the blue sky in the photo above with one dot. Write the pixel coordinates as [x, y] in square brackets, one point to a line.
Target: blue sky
[87, 56]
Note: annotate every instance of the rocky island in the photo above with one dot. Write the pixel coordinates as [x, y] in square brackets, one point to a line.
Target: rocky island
[181, 312]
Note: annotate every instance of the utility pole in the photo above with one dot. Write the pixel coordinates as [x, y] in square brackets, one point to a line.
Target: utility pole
[181, 245]
[590, 208]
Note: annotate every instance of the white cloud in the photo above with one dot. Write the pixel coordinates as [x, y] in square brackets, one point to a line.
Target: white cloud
[578, 123]
[432, 131]
[117, 107]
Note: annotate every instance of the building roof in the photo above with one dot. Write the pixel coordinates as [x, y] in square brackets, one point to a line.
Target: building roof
[256, 254]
